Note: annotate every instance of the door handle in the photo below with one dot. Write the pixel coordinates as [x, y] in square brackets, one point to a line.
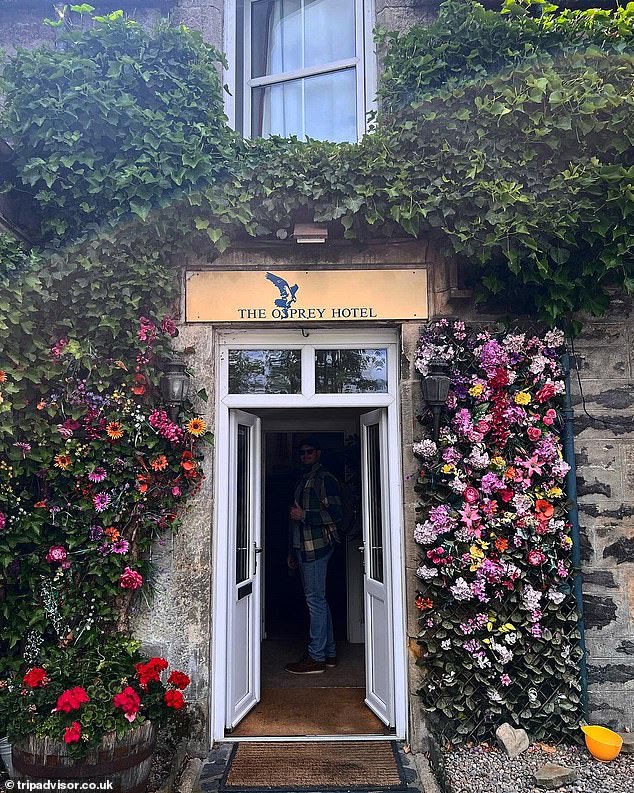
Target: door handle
[361, 548]
[256, 551]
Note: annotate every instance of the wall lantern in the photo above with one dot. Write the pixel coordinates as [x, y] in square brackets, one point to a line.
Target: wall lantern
[435, 387]
[174, 386]
[310, 232]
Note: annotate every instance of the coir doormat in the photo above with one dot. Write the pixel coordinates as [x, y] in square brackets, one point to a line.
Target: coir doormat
[318, 765]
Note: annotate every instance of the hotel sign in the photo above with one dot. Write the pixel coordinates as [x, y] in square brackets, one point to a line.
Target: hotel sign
[305, 295]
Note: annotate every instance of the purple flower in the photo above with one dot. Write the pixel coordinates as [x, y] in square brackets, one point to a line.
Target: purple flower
[24, 447]
[97, 474]
[120, 546]
[472, 646]
[96, 533]
[101, 501]
[490, 483]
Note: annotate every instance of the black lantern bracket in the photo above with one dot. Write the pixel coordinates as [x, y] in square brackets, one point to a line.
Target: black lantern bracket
[435, 389]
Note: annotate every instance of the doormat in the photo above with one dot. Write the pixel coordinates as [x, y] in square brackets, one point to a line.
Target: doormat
[314, 765]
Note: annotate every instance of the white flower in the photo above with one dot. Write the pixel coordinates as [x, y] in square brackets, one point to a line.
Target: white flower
[426, 449]
[510, 638]
[445, 644]
[425, 533]
[503, 654]
[494, 695]
[427, 573]
[461, 590]
[556, 597]
[555, 338]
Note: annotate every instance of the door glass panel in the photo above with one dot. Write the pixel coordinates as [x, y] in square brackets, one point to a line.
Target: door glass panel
[351, 371]
[322, 107]
[293, 34]
[265, 371]
[375, 511]
[243, 504]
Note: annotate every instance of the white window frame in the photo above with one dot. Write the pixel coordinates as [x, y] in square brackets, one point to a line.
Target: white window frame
[365, 64]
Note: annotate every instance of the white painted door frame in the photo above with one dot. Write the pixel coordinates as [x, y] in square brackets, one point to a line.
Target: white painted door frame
[329, 339]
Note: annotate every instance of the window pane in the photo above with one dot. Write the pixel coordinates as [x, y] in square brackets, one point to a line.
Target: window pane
[322, 107]
[292, 34]
[375, 517]
[264, 371]
[242, 505]
[351, 371]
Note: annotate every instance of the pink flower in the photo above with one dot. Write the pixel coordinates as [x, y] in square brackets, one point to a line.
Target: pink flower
[534, 433]
[470, 495]
[176, 491]
[505, 680]
[101, 501]
[130, 579]
[97, 474]
[56, 553]
[536, 558]
[545, 393]
[3, 521]
[549, 417]
[169, 326]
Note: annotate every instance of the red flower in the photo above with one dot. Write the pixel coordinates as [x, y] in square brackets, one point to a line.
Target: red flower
[545, 393]
[506, 494]
[72, 699]
[130, 579]
[72, 734]
[544, 509]
[129, 702]
[179, 679]
[35, 677]
[424, 603]
[500, 379]
[534, 433]
[536, 558]
[187, 461]
[174, 699]
[470, 495]
[151, 670]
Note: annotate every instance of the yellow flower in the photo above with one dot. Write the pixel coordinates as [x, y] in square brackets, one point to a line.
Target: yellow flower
[567, 542]
[498, 462]
[62, 461]
[476, 390]
[196, 427]
[476, 553]
[447, 468]
[555, 492]
[522, 398]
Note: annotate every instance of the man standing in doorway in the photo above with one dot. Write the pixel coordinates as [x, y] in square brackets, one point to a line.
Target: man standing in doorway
[315, 516]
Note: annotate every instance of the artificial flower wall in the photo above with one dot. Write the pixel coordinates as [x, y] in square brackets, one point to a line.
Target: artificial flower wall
[498, 625]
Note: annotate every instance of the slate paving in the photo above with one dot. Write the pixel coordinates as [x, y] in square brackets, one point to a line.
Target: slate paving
[215, 766]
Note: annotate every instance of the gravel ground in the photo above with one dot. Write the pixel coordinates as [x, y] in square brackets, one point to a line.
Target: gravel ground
[482, 769]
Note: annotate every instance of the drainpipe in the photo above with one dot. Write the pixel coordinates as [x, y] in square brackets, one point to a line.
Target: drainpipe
[573, 518]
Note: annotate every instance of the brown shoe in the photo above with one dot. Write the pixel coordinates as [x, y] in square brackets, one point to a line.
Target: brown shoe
[307, 666]
[332, 661]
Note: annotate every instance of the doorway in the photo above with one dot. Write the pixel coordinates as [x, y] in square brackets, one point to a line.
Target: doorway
[259, 604]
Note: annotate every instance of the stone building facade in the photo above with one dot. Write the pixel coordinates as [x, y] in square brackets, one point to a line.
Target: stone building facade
[185, 622]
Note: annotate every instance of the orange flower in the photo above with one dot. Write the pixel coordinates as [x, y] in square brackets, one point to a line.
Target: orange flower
[113, 533]
[114, 430]
[501, 544]
[159, 463]
[40, 505]
[544, 509]
[196, 427]
[424, 603]
[143, 482]
[41, 404]
[62, 461]
[3, 376]
[139, 387]
[510, 472]
[187, 461]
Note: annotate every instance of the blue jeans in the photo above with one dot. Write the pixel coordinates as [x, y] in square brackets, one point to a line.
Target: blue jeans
[322, 639]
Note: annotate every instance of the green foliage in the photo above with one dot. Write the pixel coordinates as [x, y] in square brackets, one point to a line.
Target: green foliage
[515, 153]
[115, 122]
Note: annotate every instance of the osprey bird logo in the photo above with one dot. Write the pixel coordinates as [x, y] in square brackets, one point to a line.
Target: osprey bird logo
[287, 293]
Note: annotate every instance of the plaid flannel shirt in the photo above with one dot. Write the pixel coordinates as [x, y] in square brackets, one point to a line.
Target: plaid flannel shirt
[318, 493]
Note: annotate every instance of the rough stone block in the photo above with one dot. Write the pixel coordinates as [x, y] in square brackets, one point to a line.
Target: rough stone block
[614, 397]
[513, 741]
[551, 776]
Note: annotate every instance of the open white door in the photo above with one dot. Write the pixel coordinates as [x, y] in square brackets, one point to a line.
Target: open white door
[244, 541]
[379, 668]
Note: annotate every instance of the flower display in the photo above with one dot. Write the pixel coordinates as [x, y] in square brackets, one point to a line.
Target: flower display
[130, 579]
[31, 704]
[494, 582]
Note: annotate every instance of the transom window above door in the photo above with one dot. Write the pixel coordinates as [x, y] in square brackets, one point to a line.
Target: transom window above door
[304, 68]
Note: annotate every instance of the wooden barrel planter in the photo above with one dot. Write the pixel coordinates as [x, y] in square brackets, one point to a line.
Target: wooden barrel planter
[126, 762]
